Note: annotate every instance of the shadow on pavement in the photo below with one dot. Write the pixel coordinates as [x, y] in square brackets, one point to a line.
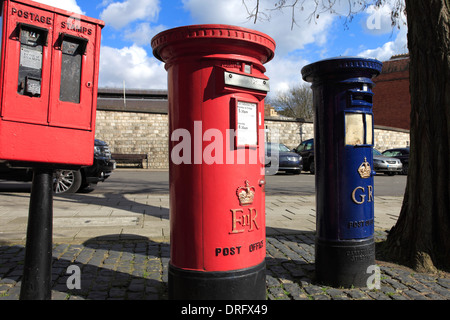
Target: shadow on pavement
[137, 269]
[113, 200]
[133, 270]
[117, 202]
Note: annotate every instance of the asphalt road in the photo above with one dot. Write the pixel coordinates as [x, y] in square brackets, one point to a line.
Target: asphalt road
[138, 181]
[157, 182]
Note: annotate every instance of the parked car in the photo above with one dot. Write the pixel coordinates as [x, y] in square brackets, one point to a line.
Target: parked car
[400, 153]
[386, 165]
[69, 181]
[280, 158]
[306, 151]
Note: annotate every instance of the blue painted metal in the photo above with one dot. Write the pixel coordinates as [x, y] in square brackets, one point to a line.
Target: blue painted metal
[345, 86]
[342, 89]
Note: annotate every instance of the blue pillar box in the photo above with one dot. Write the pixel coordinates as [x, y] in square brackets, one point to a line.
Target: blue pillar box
[344, 139]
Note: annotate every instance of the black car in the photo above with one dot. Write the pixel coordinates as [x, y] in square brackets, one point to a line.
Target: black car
[306, 150]
[69, 181]
[400, 153]
[281, 158]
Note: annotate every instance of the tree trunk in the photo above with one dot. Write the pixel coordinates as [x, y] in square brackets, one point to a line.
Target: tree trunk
[421, 237]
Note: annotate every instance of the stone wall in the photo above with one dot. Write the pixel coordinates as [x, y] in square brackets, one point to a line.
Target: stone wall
[291, 133]
[135, 132]
[386, 138]
[288, 132]
[147, 133]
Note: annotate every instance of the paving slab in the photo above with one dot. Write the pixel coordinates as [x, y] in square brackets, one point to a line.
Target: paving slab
[122, 245]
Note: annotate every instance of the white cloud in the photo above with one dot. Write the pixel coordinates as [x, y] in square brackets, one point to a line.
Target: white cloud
[140, 69]
[119, 14]
[378, 22]
[284, 72]
[284, 69]
[278, 26]
[132, 65]
[143, 33]
[386, 51]
[225, 12]
[69, 5]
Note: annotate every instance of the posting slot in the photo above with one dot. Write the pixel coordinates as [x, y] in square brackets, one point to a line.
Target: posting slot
[32, 41]
[73, 48]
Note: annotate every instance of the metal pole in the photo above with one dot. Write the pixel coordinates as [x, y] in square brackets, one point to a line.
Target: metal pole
[38, 251]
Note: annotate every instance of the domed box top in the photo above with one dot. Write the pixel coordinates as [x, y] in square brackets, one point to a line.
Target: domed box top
[341, 67]
[210, 39]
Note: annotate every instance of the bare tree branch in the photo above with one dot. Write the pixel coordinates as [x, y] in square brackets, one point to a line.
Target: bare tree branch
[320, 7]
[296, 103]
[255, 14]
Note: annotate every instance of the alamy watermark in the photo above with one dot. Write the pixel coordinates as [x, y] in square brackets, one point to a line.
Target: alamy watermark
[213, 146]
[373, 22]
[374, 280]
[74, 280]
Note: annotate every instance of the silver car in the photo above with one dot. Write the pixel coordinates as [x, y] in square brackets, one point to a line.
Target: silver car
[387, 165]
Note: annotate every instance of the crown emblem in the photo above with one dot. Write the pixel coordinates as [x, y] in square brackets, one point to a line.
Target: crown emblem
[364, 169]
[246, 194]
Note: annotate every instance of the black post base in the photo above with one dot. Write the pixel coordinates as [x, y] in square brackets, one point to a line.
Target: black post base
[243, 284]
[344, 263]
[36, 279]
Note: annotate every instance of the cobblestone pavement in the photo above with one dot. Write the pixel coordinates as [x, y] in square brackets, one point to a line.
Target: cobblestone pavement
[137, 270]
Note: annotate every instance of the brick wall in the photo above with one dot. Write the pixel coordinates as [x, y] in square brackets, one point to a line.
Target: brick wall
[391, 101]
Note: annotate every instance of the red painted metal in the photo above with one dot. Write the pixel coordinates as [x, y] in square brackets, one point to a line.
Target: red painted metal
[42, 128]
[211, 230]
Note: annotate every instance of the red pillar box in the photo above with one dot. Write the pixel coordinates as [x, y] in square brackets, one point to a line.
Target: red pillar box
[217, 88]
[49, 72]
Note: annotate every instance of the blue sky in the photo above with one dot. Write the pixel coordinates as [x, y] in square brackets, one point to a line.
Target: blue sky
[126, 55]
